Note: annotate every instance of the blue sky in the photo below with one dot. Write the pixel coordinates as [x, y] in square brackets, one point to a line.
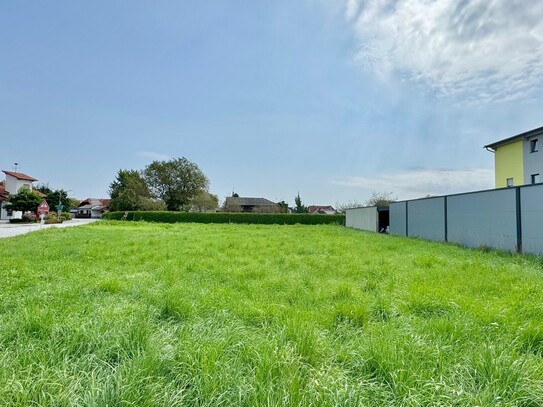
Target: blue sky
[332, 99]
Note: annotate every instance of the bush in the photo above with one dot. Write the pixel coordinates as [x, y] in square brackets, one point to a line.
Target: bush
[51, 218]
[65, 216]
[222, 217]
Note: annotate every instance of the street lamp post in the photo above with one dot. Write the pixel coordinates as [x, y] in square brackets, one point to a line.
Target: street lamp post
[60, 206]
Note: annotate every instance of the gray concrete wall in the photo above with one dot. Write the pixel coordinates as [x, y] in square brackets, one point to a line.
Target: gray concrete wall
[484, 218]
[397, 213]
[426, 218]
[531, 210]
[362, 218]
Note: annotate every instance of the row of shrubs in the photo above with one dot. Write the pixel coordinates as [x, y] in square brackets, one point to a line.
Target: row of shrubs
[223, 217]
[50, 218]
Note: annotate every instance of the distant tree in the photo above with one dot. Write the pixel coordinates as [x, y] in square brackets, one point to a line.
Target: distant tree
[43, 188]
[379, 199]
[268, 209]
[128, 191]
[74, 203]
[175, 182]
[300, 207]
[150, 204]
[283, 206]
[25, 201]
[129, 179]
[231, 205]
[234, 195]
[342, 207]
[125, 200]
[59, 195]
[203, 201]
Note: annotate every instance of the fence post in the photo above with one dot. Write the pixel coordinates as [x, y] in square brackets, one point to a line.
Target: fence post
[445, 218]
[519, 220]
[407, 218]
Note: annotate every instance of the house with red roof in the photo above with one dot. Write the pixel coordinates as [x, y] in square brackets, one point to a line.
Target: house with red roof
[92, 208]
[13, 182]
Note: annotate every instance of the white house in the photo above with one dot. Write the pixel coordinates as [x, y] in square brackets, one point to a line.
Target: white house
[13, 183]
[92, 208]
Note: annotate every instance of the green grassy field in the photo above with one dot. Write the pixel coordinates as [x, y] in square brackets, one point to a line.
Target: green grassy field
[188, 314]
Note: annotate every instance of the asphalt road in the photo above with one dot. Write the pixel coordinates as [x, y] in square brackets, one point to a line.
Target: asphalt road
[8, 229]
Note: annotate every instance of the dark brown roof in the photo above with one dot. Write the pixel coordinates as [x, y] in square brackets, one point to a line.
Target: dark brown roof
[19, 175]
[243, 201]
[526, 134]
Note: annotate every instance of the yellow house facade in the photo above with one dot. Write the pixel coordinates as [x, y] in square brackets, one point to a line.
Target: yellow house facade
[518, 159]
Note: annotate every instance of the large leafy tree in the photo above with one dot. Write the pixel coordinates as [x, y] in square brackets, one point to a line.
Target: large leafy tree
[43, 188]
[128, 191]
[176, 181]
[54, 197]
[25, 201]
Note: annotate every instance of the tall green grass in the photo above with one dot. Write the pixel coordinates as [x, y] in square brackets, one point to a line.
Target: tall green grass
[121, 313]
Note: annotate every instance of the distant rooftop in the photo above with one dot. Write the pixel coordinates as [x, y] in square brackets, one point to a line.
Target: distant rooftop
[20, 176]
[245, 201]
[95, 202]
[527, 134]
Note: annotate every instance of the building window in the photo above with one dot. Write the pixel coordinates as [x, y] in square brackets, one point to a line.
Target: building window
[533, 145]
[535, 179]
[509, 182]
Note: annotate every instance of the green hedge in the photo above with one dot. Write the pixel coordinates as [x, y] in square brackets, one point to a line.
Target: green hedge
[254, 218]
[19, 220]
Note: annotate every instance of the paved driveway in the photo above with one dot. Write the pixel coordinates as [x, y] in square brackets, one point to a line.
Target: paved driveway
[9, 229]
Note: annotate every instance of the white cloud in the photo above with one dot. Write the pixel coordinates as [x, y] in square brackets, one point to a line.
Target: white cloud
[417, 183]
[482, 50]
[352, 9]
[153, 155]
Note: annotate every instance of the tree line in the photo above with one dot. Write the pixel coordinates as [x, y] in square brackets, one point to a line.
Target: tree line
[27, 200]
[174, 185]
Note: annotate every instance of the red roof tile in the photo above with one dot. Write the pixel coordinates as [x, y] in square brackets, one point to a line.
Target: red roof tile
[95, 202]
[19, 175]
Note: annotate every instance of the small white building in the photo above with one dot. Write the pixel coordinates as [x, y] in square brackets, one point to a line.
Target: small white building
[92, 208]
[11, 185]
